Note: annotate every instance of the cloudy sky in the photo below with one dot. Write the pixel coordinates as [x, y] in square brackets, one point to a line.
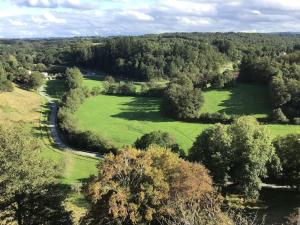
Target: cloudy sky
[61, 18]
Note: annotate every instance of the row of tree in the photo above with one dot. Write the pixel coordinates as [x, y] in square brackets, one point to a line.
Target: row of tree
[75, 95]
[239, 155]
[282, 77]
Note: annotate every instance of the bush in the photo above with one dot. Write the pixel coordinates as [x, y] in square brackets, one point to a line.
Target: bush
[119, 88]
[216, 118]
[278, 116]
[297, 120]
[126, 88]
[6, 86]
[152, 89]
[159, 138]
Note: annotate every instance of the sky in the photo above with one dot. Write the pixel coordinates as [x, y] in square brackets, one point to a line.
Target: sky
[68, 18]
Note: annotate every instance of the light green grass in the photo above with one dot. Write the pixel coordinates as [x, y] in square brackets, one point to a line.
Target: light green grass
[242, 99]
[124, 119]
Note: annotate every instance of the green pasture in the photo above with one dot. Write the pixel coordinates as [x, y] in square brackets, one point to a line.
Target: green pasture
[124, 119]
[242, 99]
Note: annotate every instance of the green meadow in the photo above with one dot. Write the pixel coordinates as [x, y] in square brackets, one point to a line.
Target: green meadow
[123, 119]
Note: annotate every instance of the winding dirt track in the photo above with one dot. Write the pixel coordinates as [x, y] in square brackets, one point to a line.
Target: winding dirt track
[54, 129]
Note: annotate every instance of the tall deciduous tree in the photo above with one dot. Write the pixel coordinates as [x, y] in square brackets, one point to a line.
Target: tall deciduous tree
[74, 78]
[136, 187]
[27, 183]
[288, 151]
[181, 100]
[239, 153]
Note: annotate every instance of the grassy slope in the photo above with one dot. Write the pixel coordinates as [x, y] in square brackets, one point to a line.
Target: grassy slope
[19, 105]
[25, 106]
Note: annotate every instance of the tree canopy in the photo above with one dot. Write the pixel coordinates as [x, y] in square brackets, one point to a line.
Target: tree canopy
[238, 153]
[136, 187]
[27, 183]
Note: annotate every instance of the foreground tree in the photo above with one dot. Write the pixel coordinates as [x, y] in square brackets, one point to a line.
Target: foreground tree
[238, 153]
[28, 193]
[139, 187]
[288, 151]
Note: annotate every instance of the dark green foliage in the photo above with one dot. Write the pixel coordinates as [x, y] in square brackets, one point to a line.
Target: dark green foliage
[36, 80]
[28, 189]
[216, 118]
[74, 78]
[68, 126]
[159, 138]
[119, 88]
[278, 91]
[285, 91]
[153, 89]
[288, 151]
[257, 70]
[239, 153]
[278, 116]
[145, 58]
[225, 80]
[5, 84]
[181, 100]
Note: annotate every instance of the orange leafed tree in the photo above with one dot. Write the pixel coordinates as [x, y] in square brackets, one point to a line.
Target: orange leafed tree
[137, 187]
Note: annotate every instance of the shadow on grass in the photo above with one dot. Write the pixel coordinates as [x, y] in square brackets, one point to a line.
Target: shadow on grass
[142, 109]
[247, 100]
[280, 204]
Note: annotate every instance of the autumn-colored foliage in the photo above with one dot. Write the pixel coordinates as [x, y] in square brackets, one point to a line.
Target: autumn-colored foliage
[137, 187]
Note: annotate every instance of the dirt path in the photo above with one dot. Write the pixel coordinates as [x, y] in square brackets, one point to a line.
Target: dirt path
[54, 129]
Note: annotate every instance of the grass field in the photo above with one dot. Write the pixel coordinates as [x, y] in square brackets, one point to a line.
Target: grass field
[19, 105]
[124, 119]
[243, 99]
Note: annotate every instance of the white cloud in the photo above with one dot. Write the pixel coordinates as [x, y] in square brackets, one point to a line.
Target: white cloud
[137, 15]
[193, 21]
[74, 4]
[47, 18]
[17, 23]
[148, 17]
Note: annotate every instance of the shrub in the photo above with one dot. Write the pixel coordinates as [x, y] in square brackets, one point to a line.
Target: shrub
[278, 116]
[152, 89]
[159, 138]
[6, 86]
[126, 88]
[216, 118]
